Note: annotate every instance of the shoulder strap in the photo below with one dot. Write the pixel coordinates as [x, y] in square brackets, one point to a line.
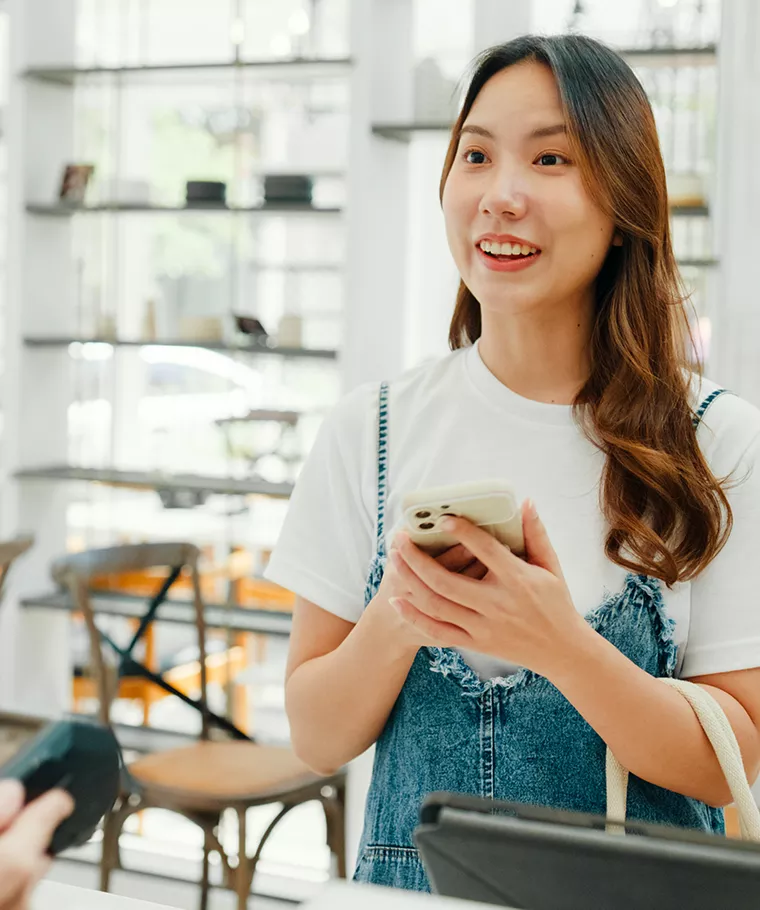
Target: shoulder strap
[706, 404]
[382, 464]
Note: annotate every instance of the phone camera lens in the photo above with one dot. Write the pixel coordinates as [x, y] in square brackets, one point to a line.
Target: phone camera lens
[427, 525]
[445, 507]
[423, 514]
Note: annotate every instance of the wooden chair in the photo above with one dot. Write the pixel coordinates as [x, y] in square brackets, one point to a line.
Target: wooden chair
[203, 780]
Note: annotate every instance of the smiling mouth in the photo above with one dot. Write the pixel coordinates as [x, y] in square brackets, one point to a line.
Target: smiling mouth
[507, 252]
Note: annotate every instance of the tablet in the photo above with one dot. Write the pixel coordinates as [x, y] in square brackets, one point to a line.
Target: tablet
[532, 858]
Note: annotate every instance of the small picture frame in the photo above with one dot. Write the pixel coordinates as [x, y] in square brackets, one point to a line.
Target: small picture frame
[74, 183]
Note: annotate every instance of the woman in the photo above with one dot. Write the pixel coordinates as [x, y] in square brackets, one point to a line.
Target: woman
[479, 672]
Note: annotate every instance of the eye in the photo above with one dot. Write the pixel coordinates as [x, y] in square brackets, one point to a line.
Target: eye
[549, 159]
[468, 153]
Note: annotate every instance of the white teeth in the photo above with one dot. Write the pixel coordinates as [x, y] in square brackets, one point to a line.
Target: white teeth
[506, 249]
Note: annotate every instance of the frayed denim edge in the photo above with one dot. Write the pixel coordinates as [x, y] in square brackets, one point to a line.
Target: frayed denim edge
[639, 590]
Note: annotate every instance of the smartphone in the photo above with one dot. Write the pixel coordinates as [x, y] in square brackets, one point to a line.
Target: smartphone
[489, 504]
[79, 756]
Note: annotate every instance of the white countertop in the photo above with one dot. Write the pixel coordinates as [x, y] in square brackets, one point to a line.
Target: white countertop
[52, 896]
[336, 895]
[340, 895]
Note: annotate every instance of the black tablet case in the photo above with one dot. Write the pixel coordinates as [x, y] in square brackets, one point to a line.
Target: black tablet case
[528, 858]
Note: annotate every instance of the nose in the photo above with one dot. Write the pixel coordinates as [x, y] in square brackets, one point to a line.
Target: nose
[504, 196]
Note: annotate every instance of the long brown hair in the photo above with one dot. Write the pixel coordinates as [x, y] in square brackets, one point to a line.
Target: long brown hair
[667, 514]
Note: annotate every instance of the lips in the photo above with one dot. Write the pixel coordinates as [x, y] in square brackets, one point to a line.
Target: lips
[507, 263]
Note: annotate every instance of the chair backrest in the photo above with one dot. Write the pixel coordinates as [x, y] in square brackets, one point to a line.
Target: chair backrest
[76, 571]
[9, 553]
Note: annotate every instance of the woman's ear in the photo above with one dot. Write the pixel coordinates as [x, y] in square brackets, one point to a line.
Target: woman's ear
[617, 239]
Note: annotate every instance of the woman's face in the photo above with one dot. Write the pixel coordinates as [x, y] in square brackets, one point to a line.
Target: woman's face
[513, 182]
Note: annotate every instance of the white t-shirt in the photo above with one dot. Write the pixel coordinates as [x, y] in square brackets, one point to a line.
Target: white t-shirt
[452, 421]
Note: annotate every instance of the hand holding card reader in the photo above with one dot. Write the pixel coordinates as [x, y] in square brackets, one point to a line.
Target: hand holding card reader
[80, 757]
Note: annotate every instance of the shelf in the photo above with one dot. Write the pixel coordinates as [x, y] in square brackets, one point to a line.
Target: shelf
[704, 55]
[59, 210]
[292, 69]
[708, 263]
[157, 480]
[182, 612]
[255, 349]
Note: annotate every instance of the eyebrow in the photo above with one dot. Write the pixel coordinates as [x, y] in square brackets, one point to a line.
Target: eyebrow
[539, 133]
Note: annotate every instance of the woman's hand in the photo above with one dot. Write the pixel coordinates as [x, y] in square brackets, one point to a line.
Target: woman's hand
[25, 834]
[455, 561]
[520, 610]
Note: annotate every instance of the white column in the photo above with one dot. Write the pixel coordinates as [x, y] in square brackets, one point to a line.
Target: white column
[34, 657]
[376, 219]
[736, 330]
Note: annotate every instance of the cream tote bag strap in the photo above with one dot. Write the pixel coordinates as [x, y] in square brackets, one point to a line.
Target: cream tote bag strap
[721, 735]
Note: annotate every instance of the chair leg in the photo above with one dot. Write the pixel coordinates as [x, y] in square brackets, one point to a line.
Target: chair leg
[335, 817]
[205, 875]
[112, 825]
[243, 875]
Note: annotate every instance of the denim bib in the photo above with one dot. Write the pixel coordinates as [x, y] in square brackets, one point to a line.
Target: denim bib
[514, 738]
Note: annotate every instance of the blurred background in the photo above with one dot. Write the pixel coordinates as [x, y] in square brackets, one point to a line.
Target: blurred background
[217, 217]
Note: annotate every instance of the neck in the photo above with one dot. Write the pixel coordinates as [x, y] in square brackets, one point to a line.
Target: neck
[543, 357]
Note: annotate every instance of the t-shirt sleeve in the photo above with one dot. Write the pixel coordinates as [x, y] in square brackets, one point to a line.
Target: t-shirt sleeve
[325, 547]
[724, 631]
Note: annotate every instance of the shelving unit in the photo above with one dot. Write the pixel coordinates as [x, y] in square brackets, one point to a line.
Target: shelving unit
[154, 480]
[253, 349]
[293, 68]
[280, 208]
[103, 406]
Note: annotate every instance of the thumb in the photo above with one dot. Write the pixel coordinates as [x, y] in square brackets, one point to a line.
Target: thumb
[538, 548]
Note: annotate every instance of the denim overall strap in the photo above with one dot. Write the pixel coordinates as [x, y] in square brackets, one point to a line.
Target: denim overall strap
[382, 465]
[377, 566]
[706, 404]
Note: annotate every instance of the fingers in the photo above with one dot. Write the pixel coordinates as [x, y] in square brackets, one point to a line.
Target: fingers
[434, 598]
[434, 629]
[35, 826]
[455, 559]
[23, 847]
[491, 552]
[538, 547]
[415, 567]
[475, 570]
[11, 801]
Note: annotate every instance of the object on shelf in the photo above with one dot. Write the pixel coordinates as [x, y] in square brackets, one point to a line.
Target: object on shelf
[249, 325]
[201, 328]
[686, 190]
[205, 192]
[290, 331]
[295, 188]
[261, 415]
[74, 182]
[182, 499]
[149, 321]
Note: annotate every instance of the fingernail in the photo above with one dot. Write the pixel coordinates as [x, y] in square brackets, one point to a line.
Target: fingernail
[448, 524]
[532, 511]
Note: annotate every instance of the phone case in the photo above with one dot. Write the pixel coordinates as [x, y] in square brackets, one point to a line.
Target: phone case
[491, 505]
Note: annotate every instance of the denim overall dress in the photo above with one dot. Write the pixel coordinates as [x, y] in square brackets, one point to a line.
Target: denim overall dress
[515, 738]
